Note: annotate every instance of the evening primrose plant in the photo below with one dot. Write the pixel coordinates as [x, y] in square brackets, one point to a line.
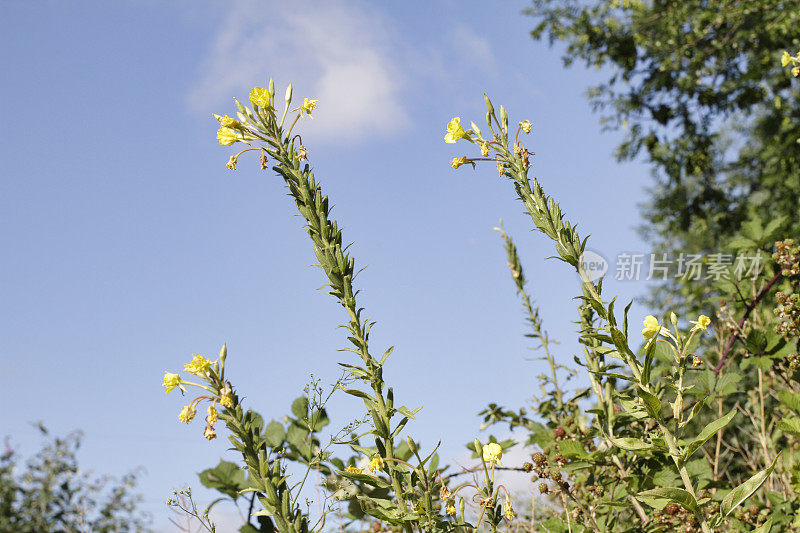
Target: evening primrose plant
[640, 448]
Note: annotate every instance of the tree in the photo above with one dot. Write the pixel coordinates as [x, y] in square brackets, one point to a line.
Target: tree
[699, 89]
[50, 493]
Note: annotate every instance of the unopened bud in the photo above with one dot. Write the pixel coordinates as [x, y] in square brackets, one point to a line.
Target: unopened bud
[288, 97]
[478, 447]
[673, 318]
[489, 106]
[476, 129]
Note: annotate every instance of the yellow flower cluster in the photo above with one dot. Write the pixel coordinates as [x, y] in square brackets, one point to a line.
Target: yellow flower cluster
[219, 391]
[787, 58]
[352, 470]
[375, 464]
[653, 328]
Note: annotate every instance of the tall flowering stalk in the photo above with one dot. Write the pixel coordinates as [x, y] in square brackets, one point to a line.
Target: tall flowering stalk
[605, 337]
[413, 486]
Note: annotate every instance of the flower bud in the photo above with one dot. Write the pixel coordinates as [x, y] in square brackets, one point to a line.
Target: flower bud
[288, 97]
[488, 102]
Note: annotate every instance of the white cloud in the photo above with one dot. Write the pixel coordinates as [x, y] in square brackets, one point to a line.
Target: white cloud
[337, 52]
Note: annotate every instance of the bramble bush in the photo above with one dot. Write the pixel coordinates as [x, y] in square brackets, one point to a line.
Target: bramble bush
[691, 424]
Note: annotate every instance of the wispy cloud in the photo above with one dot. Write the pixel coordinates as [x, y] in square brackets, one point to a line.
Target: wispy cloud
[337, 52]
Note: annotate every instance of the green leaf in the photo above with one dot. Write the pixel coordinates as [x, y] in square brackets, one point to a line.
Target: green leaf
[790, 399]
[756, 342]
[727, 383]
[709, 431]
[746, 489]
[274, 433]
[572, 449]
[226, 478]
[408, 413]
[674, 495]
[789, 424]
[651, 402]
[649, 352]
[630, 444]
[300, 407]
[696, 408]
[386, 354]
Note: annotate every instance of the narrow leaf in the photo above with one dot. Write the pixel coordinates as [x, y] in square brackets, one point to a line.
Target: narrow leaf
[746, 489]
[709, 431]
[675, 495]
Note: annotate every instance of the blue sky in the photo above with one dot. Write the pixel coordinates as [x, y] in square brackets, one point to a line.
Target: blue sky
[129, 245]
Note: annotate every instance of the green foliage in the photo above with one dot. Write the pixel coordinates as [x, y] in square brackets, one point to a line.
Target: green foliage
[51, 493]
[674, 430]
[698, 88]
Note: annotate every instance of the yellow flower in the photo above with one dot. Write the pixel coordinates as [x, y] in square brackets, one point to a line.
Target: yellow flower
[696, 361]
[484, 149]
[651, 327]
[187, 413]
[375, 464]
[209, 432]
[785, 58]
[229, 122]
[302, 153]
[309, 105]
[171, 381]
[352, 470]
[226, 136]
[259, 97]
[198, 366]
[451, 508]
[231, 164]
[509, 510]
[455, 131]
[702, 323]
[526, 126]
[458, 161]
[500, 169]
[796, 71]
[492, 453]
[226, 397]
[212, 415]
